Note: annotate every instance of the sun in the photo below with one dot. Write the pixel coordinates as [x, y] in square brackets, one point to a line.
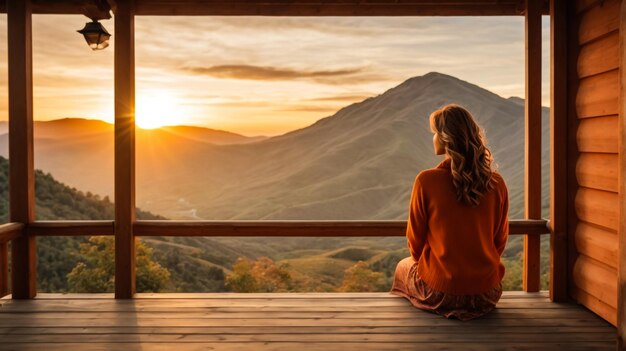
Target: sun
[156, 109]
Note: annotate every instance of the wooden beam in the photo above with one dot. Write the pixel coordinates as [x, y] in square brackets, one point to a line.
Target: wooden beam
[294, 7]
[320, 8]
[558, 150]
[70, 228]
[124, 149]
[532, 188]
[97, 9]
[621, 264]
[299, 228]
[21, 163]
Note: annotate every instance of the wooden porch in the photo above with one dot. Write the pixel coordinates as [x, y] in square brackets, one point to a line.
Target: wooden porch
[586, 227]
[291, 321]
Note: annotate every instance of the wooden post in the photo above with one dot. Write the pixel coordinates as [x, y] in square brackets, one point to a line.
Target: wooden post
[558, 150]
[124, 150]
[21, 163]
[533, 141]
[621, 264]
[4, 269]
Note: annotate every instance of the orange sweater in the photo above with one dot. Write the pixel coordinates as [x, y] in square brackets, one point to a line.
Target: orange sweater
[457, 247]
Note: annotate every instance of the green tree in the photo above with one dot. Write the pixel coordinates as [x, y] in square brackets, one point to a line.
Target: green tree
[95, 270]
[360, 277]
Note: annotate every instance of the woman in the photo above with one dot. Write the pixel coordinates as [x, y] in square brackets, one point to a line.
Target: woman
[457, 226]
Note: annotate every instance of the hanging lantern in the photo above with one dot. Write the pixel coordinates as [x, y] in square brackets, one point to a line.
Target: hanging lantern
[96, 36]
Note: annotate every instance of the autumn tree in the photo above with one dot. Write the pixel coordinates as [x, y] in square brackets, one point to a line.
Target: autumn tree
[360, 277]
[262, 275]
[95, 271]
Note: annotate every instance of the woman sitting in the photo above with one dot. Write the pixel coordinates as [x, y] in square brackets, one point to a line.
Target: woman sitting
[458, 225]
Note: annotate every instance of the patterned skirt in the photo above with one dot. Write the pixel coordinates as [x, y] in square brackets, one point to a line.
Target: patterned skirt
[408, 284]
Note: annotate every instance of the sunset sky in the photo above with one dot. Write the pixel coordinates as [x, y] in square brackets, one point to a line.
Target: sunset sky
[265, 75]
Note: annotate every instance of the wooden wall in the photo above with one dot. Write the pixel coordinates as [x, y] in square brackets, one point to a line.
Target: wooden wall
[593, 124]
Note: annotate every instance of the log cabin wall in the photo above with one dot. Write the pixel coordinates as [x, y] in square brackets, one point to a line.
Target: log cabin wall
[593, 124]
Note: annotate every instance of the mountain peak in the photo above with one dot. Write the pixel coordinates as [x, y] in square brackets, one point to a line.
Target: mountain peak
[433, 78]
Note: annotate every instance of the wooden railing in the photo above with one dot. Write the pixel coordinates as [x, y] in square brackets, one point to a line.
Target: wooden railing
[8, 232]
[312, 228]
[388, 228]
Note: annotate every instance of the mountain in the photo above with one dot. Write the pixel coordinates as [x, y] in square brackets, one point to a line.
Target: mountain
[79, 151]
[358, 163]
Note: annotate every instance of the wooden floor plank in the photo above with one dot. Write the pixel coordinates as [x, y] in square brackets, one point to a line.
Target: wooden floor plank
[362, 303]
[262, 346]
[260, 308]
[311, 338]
[192, 322]
[298, 314]
[230, 296]
[459, 329]
[310, 321]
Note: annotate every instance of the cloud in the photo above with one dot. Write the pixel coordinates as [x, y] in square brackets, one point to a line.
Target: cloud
[268, 73]
[280, 107]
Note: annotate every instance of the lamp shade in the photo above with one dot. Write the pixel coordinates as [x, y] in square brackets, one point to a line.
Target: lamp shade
[96, 35]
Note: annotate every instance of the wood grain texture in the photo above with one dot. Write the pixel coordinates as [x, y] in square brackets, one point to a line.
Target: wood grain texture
[532, 179]
[596, 305]
[598, 243]
[331, 8]
[621, 230]
[298, 228]
[599, 56]
[598, 207]
[598, 95]
[558, 151]
[21, 165]
[71, 228]
[4, 269]
[296, 7]
[597, 279]
[124, 149]
[247, 228]
[287, 321]
[10, 231]
[599, 134]
[598, 171]
[600, 20]
[584, 5]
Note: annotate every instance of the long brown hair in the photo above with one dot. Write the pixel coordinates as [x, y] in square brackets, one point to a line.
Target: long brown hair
[466, 146]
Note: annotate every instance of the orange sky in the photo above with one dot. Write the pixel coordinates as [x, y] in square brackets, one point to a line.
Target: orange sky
[264, 75]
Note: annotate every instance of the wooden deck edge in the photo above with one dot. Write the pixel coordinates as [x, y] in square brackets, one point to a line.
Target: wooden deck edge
[229, 295]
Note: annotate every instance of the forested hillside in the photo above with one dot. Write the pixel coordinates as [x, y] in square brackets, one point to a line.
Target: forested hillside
[208, 264]
[57, 256]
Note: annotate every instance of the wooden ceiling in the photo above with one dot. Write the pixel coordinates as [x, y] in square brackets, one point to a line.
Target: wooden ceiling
[100, 8]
